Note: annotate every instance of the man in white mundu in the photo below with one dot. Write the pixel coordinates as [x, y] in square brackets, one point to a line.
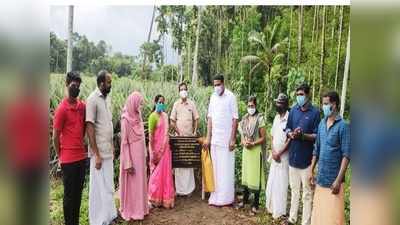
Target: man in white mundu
[184, 121]
[221, 135]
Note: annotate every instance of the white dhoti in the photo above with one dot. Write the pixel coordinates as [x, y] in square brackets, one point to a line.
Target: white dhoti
[277, 187]
[223, 162]
[184, 181]
[102, 210]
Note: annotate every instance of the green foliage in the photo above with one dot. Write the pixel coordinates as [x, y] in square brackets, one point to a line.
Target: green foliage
[152, 52]
[123, 86]
[295, 77]
[255, 47]
[268, 60]
[88, 57]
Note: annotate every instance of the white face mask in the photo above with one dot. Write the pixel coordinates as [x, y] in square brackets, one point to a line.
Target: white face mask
[183, 94]
[218, 90]
[251, 111]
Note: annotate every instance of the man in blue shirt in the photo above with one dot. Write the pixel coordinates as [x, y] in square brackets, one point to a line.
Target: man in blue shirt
[301, 128]
[332, 153]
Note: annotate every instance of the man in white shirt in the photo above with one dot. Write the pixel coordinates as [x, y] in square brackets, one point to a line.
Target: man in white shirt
[99, 126]
[221, 136]
[278, 178]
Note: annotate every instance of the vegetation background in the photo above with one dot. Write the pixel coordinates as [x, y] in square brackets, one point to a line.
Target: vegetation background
[261, 50]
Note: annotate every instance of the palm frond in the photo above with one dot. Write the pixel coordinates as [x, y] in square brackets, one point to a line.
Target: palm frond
[250, 59]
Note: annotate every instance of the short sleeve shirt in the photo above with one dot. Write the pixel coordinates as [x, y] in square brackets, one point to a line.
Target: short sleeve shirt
[69, 120]
[222, 110]
[184, 113]
[300, 151]
[98, 112]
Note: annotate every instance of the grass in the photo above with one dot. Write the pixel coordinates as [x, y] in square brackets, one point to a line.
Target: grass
[56, 206]
[121, 88]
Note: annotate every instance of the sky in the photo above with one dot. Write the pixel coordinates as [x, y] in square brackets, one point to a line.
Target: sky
[125, 28]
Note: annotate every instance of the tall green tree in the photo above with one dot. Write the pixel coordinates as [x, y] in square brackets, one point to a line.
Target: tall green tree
[269, 58]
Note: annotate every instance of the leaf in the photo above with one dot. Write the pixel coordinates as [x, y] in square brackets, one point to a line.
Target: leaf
[258, 38]
[255, 67]
[250, 59]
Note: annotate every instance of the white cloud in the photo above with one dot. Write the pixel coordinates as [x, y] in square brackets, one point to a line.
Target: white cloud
[125, 28]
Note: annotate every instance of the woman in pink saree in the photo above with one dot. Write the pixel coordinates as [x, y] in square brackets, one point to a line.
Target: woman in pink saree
[133, 172]
[161, 186]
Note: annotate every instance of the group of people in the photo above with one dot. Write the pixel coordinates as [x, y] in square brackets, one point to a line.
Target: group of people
[300, 143]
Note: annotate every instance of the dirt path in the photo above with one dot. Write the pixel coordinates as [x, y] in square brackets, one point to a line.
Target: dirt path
[192, 210]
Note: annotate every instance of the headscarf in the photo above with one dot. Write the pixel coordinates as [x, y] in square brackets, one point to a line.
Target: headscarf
[131, 114]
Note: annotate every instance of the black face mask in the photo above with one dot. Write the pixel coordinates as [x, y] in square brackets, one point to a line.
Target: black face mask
[106, 90]
[73, 91]
[280, 109]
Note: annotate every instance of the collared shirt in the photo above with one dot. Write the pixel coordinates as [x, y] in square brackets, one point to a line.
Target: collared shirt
[300, 151]
[69, 120]
[331, 146]
[278, 132]
[222, 110]
[184, 113]
[98, 112]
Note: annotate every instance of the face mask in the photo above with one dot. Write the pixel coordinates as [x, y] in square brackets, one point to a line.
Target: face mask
[183, 94]
[301, 100]
[327, 109]
[160, 107]
[251, 111]
[106, 90]
[218, 90]
[280, 109]
[73, 91]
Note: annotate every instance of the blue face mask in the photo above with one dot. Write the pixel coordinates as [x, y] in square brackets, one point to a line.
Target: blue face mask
[301, 100]
[160, 107]
[327, 109]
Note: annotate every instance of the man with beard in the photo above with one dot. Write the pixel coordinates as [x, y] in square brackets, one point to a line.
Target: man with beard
[99, 124]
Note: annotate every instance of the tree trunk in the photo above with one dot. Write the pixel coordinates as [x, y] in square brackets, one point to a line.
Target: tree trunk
[322, 65]
[180, 55]
[219, 38]
[300, 37]
[315, 52]
[269, 88]
[345, 76]
[290, 35]
[196, 49]
[241, 39]
[189, 55]
[180, 65]
[148, 40]
[313, 26]
[339, 46]
[317, 24]
[334, 23]
[313, 85]
[70, 33]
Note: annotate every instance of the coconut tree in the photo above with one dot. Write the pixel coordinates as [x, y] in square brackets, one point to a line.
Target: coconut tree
[267, 58]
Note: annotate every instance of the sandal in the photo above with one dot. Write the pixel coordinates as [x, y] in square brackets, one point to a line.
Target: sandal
[253, 211]
[240, 205]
